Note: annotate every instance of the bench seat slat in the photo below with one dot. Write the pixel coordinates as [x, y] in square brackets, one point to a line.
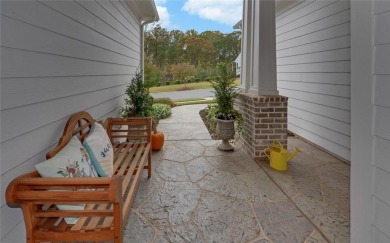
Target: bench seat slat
[129, 166]
[117, 149]
[126, 157]
[95, 220]
[81, 221]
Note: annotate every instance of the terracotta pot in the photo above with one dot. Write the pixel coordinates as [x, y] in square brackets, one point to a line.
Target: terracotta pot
[157, 140]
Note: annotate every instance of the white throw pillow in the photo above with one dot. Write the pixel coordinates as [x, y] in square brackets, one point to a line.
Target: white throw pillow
[99, 148]
[71, 161]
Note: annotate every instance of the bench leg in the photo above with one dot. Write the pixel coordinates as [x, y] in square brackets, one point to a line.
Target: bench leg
[118, 223]
[150, 164]
[30, 221]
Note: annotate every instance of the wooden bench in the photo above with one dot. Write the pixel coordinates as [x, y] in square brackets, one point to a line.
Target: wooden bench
[107, 199]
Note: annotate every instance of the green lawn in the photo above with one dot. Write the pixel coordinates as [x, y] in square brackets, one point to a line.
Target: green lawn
[175, 87]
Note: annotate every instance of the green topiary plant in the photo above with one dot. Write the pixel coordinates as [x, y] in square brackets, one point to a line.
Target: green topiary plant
[225, 92]
[139, 102]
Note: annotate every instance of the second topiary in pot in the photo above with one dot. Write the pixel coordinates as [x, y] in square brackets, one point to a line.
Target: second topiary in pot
[225, 92]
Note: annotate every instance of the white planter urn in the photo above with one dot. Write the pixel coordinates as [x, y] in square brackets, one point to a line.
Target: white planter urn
[226, 131]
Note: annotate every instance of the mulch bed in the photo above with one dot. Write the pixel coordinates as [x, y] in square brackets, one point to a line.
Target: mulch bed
[213, 135]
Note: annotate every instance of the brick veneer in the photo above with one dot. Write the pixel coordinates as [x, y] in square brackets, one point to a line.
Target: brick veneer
[265, 120]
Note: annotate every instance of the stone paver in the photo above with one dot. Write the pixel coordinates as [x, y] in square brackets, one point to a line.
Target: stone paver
[254, 187]
[182, 234]
[223, 219]
[319, 186]
[172, 205]
[174, 153]
[200, 194]
[198, 168]
[172, 171]
[332, 224]
[283, 222]
[137, 230]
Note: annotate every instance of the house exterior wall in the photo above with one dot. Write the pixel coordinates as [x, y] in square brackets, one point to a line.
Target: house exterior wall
[381, 136]
[313, 71]
[58, 57]
[370, 140]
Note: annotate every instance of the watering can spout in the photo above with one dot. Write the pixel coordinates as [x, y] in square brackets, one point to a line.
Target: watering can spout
[290, 156]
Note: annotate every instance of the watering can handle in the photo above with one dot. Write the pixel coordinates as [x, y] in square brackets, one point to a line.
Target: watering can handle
[267, 149]
[275, 142]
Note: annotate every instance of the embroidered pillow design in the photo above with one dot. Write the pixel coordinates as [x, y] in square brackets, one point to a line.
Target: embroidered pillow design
[71, 161]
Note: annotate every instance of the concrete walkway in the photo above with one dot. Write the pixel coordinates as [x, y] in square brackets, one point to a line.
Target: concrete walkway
[200, 194]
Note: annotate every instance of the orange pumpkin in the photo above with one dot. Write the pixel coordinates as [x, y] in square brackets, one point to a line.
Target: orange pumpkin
[157, 140]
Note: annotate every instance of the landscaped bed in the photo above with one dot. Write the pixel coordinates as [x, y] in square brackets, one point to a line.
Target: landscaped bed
[203, 115]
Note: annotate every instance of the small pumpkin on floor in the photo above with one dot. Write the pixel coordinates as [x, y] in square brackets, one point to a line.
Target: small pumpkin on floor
[157, 137]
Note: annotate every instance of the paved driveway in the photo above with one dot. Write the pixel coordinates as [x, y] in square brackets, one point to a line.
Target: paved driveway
[187, 94]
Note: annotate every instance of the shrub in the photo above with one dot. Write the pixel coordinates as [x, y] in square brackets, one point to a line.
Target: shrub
[211, 119]
[177, 82]
[189, 79]
[201, 73]
[161, 111]
[167, 83]
[197, 80]
[166, 101]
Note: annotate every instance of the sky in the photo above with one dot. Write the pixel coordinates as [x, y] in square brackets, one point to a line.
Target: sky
[200, 15]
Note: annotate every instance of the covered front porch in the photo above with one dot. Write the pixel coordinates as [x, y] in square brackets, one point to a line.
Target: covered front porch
[200, 194]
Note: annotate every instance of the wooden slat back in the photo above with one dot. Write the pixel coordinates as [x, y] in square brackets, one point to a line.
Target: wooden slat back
[79, 124]
[138, 128]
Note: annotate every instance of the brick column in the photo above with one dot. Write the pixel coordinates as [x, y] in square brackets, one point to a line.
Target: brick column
[265, 120]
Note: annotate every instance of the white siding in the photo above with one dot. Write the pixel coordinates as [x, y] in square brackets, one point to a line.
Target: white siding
[381, 90]
[313, 65]
[57, 57]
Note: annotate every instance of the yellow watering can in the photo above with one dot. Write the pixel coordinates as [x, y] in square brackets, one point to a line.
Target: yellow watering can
[279, 156]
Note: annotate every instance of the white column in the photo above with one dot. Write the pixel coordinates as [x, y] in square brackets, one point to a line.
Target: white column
[246, 45]
[259, 47]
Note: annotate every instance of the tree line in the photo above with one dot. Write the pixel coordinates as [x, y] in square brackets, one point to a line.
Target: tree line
[176, 56]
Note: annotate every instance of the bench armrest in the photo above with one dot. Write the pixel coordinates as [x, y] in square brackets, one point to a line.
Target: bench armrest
[40, 190]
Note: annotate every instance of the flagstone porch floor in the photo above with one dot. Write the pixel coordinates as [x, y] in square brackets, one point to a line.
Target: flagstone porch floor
[200, 194]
